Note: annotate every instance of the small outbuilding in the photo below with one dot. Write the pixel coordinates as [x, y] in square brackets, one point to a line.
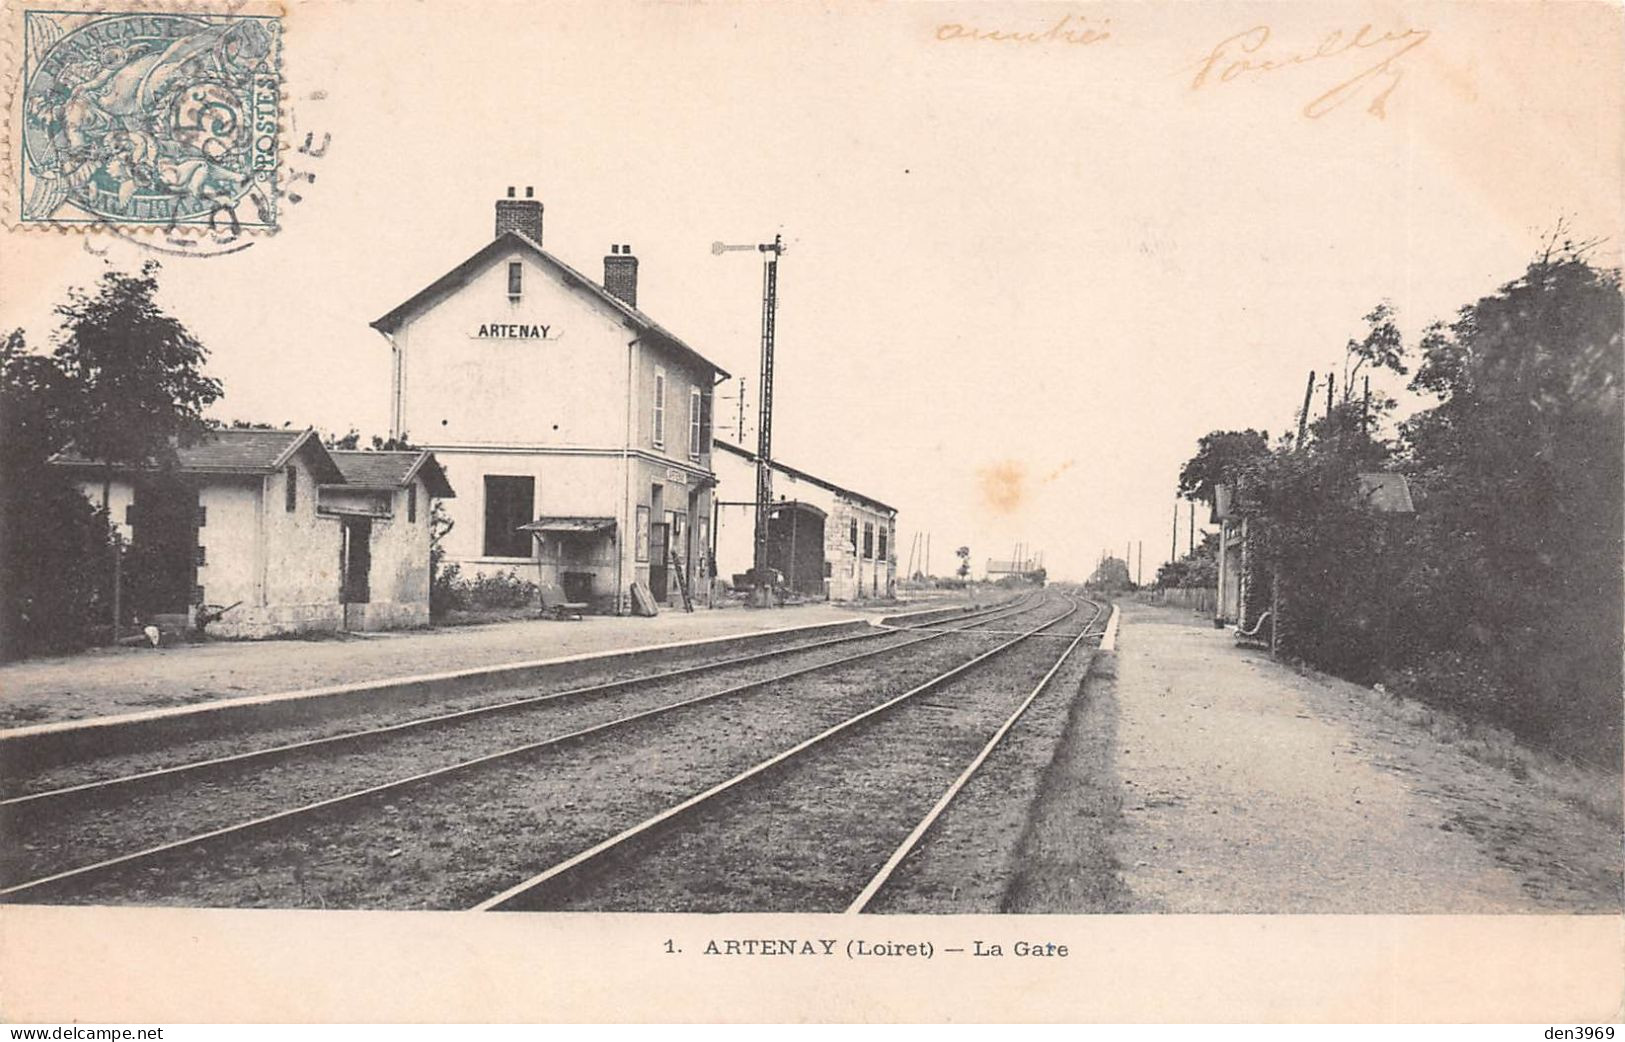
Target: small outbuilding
[272, 531]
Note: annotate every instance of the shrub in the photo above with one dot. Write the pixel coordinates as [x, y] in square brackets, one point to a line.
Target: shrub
[487, 592]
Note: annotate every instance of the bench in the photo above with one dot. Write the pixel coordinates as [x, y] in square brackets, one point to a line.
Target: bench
[555, 606]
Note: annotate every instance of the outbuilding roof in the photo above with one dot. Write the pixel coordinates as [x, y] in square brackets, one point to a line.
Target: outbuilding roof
[503, 244]
[1387, 493]
[392, 470]
[236, 451]
[802, 475]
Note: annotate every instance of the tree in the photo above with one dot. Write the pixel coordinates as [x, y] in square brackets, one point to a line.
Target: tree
[1112, 573]
[1518, 473]
[1198, 569]
[1220, 457]
[963, 553]
[51, 538]
[1382, 348]
[133, 383]
[135, 372]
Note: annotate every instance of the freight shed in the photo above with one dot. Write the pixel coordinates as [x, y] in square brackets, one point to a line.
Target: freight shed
[823, 540]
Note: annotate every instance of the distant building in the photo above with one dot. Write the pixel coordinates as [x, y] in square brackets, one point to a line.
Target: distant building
[997, 570]
[268, 523]
[825, 540]
[578, 429]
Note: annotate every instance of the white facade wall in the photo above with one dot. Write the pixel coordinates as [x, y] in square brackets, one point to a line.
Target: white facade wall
[230, 537]
[459, 389]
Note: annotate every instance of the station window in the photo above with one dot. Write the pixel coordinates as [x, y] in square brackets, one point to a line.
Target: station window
[869, 540]
[660, 409]
[694, 426]
[412, 503]
[881, 553]
[854, 535]
[516, 279]
[290, 499]
[508, 504]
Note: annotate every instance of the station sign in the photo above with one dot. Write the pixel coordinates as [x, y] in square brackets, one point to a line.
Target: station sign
[515, 331]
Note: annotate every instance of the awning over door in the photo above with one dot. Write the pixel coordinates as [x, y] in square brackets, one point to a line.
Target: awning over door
[559, 525]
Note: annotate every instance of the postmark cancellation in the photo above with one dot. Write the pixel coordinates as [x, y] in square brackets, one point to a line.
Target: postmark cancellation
[146, 119]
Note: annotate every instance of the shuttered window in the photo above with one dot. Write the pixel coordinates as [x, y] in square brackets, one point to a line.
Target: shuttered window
[660, 409]
[291, 491]
[694, 427]
[516, 278]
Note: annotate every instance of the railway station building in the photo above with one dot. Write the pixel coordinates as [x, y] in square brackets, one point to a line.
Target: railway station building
[575, 427]
[823, 540]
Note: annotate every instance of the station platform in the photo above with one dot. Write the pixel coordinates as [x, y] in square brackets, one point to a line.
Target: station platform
[1249, 785]
[104, 682]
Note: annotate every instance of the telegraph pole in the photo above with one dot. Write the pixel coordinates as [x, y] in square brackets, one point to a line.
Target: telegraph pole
[764, 397]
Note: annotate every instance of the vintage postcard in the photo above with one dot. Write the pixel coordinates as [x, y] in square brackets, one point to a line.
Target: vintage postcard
[813, 511]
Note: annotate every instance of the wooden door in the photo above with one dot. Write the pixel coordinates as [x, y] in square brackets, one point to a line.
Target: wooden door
[659, 541]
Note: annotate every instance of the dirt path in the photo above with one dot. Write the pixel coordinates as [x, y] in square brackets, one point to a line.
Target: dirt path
[1247, 787]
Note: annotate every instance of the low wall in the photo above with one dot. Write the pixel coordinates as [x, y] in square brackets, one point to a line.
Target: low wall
[246, 622]
[1196, 598]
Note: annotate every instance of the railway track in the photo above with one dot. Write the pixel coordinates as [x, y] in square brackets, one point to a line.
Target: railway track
[30, 815]
[732, 846]
[30, 799]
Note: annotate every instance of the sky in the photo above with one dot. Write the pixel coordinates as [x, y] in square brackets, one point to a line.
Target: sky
[1024, 276]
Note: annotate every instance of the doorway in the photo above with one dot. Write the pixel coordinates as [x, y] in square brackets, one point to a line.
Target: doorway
[161, 567]
[659, 544]
[355, 570]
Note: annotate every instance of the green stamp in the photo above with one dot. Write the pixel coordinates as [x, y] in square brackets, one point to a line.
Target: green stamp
[150, 119]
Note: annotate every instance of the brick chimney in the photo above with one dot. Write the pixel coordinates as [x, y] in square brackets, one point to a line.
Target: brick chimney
[520, 215]
[621, 275]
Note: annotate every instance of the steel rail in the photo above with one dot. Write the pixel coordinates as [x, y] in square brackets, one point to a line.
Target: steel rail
[909, 843]
[626, 835]
[32, 801]
[310, 809]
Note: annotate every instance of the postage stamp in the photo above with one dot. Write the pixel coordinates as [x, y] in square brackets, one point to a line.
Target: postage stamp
[149, 119]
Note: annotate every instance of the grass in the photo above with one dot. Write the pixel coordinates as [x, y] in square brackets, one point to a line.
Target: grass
[1593, 790]
[1065, 857]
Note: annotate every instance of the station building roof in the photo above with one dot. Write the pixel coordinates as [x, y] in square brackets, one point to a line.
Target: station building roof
[503, 245]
